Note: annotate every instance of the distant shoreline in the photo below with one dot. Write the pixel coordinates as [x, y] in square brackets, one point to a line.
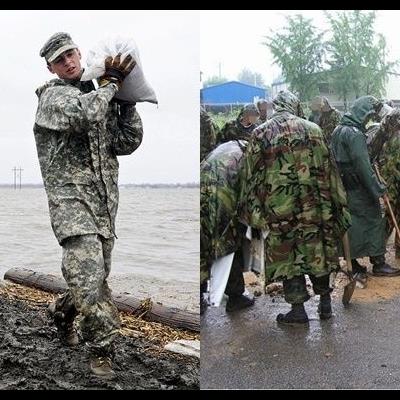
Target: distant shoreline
[122, 185]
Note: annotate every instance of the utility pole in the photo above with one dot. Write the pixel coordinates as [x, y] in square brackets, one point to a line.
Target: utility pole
[15, 177]
[20, 176]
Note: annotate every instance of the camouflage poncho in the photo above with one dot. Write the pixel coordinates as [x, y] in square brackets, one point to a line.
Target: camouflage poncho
[290, 186]
[234, 129]
[208, 134]
[390, 170]
[328, 122]
[220, 232]
[79, 133]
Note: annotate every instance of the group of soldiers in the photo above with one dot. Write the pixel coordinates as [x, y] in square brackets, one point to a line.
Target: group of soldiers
[302, 184]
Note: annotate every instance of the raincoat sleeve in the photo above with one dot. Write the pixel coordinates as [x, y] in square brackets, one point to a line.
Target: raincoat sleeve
[363, 168]
[130, 131]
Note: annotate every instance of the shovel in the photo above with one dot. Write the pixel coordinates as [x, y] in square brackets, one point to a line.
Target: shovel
[349, 288]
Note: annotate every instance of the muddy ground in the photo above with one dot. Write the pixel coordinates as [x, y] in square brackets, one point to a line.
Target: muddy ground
[31, 357]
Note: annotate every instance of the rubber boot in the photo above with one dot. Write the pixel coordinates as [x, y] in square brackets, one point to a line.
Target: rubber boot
[381, 268]
[238, 302]
[297, 315]
[203, 301]
[359, 272]
[325, 307]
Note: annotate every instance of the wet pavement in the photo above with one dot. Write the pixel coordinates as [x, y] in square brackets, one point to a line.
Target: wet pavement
[358, 348]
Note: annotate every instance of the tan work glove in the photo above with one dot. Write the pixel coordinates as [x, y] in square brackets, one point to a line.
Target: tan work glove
[116, 71]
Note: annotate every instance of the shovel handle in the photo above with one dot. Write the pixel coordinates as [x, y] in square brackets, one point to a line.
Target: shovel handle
[346, 248]
[387, 201]
[386, 198]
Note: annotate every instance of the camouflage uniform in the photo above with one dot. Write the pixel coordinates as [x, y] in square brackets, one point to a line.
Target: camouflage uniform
[384, 146]
[391, 173]
[234, 130]
[208, 135]
[327, 117]
[86, 264]
[79, 133]
[328, 122]
[220, 231]
[291, 188]
[270, 111]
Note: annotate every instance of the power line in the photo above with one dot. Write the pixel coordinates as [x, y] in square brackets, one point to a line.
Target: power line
[15, 169]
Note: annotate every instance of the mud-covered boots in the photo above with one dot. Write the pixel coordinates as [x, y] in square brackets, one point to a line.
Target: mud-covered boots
[101, 366]
[63, 318]
[325, 307]
[297, 315]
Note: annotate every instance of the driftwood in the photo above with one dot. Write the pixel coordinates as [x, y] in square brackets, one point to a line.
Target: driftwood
[147, 310]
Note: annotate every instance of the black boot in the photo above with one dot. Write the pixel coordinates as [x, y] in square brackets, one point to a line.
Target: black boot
[359, 272]
[237, 302]
[357, 267]
[203, 301]
[203, 304]
[297, 315]
[325, 307]
[381, 268]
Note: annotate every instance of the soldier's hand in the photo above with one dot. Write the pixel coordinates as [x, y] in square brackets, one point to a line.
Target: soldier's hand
[117, 70]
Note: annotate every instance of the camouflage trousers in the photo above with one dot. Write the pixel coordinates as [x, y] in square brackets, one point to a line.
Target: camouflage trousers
[295, 289]
[86, 264]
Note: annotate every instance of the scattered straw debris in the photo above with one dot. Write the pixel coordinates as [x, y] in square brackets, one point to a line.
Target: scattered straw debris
[132, 326]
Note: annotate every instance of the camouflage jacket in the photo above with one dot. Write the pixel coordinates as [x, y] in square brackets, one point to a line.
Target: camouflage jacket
[390, 170]
[260, 121]
[290, 187]
[208, 134]
[328, 121]
[220, 232]
[79, 133]
[234, 130]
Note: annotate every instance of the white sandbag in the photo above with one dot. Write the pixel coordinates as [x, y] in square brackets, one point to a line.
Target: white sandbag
[219, 274]
[135, 87]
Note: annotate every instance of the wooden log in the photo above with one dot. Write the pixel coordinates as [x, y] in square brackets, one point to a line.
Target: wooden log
[156, 312]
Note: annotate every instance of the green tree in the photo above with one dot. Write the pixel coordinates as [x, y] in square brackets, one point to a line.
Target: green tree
[298, 49]
[357, 55]
[214, 80]
[251, 78]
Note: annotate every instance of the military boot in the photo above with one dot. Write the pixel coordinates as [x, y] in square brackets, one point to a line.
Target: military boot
[203, 301]
[325, 307]
[297, 315]
[381, 268]
[359, 272]
[64, 323]
[101, 366]
[237, 302]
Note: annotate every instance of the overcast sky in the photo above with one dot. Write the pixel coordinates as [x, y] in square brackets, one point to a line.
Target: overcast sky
[233, 38]
[168, 42]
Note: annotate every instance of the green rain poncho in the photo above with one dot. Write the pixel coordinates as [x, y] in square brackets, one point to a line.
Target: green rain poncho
[349, 147]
